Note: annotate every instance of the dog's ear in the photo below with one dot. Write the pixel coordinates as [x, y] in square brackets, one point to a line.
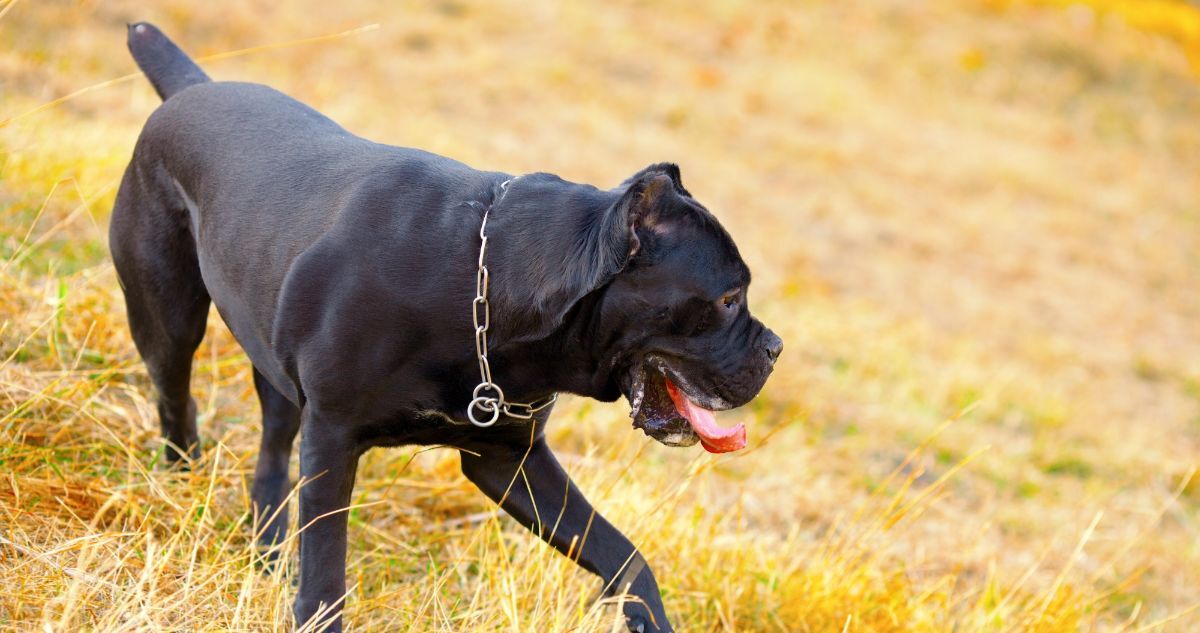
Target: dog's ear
[670, 169]
[643, 207]
[582, 245]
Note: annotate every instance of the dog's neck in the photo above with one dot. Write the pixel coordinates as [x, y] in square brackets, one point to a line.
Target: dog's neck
[561, 359]
[565, 361]
[546, 249]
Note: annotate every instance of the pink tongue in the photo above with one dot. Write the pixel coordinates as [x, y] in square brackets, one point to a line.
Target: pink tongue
[715, 438]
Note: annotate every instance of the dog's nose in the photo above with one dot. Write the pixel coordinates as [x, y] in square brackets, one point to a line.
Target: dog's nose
[772, 345]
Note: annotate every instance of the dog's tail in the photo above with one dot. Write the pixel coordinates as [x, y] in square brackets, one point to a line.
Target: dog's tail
[168, 68]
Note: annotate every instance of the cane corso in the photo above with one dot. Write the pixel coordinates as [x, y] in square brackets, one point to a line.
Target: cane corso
[357, 278]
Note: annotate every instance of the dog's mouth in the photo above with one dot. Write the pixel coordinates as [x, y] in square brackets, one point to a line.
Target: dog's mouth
[664, 412]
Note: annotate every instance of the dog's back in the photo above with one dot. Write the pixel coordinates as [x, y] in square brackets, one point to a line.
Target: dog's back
[223, 165]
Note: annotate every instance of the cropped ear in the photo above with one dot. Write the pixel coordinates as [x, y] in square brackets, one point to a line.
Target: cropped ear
[670, 169]
[644, 204]
[585, 240]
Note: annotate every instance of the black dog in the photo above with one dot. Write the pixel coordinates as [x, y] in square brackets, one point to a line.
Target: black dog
[347, 270]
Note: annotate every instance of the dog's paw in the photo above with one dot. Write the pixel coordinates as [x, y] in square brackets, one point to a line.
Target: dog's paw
[175, 460]
[643, 624]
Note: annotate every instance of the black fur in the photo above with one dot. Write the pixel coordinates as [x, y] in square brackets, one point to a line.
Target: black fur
[167, 68]
[346, 270]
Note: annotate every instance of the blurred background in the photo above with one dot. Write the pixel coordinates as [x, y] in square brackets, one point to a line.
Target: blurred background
[975, 223]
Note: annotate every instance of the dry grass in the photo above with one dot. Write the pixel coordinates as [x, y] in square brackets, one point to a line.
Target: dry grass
[984, 212]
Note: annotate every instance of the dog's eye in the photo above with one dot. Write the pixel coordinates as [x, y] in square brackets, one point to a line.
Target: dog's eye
[731, 299]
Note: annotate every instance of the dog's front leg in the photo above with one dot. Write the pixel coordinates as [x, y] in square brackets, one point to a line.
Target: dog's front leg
[560, 514]
[328, 458]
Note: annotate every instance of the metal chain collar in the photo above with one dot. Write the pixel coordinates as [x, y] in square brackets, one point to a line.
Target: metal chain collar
[481, 313]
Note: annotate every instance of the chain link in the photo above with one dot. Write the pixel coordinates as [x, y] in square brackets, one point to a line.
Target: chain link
[481, 315]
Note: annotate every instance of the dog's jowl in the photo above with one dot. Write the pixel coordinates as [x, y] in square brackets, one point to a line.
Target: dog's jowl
[390, 296]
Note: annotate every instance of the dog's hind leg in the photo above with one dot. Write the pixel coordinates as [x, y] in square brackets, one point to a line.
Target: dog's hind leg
[281, 422]
[165, 298]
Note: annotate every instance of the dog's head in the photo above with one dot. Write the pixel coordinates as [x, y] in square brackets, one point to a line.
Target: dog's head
[682, 336]
[668, 319]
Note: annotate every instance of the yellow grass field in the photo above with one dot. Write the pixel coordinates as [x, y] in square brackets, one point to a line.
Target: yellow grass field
[976, 224]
